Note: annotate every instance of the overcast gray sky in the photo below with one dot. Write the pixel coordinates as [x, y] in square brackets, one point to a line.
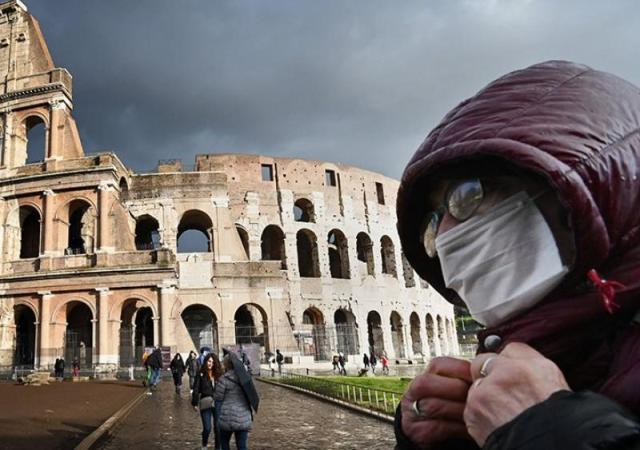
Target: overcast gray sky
[357, 82]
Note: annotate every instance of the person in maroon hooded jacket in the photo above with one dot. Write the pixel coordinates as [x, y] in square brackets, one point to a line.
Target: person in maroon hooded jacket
[522, 204]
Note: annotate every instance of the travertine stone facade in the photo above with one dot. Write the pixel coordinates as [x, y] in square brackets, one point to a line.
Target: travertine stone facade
[99, 262]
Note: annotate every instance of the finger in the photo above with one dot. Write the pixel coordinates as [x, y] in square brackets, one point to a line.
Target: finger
[440, 409]
[519, 350]
[430, 385]
[450, 367]
[434, 431]
[482, 362]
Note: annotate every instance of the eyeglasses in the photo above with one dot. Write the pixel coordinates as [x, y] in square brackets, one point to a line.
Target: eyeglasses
[461, 202]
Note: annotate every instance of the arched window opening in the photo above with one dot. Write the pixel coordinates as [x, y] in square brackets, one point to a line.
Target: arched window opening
[431, 333]
[272, 245]
[388, 256]
[303, 211]
[81, 228]
[407, 272]
[308, 262]
[375, 333]
[36, 137]
[29, 232]
[24, 352]
[124, 189]
[313, 339]
[251, 325]
[79, 335]
[416, 340]
[244, 238]
[346, 332]
[397, 335]
[147, 234]
[338, 254]
[194, 233]
[136, 332]
[202, 326]
[364, 248]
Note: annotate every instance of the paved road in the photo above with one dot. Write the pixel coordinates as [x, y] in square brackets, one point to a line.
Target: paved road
[287, 420]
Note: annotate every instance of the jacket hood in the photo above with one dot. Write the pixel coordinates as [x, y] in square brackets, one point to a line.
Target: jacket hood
[576, 127]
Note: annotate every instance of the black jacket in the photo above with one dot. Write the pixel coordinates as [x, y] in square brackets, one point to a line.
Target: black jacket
[154, 360]
[192, 365]
[202, 387]
[177, 366]
[565, 421]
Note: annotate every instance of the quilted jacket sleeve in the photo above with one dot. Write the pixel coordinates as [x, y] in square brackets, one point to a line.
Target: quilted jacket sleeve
[569, 420]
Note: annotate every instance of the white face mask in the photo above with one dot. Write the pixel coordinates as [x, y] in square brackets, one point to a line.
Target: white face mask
[502, 262]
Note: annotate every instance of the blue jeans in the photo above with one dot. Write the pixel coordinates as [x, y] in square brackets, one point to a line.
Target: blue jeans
[155, 376]
[242, 438]
[209, 423]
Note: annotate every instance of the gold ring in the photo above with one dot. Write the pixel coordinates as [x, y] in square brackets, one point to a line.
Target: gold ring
[485, 365]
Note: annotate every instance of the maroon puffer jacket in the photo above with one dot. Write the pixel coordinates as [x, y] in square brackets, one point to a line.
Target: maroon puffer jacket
[579, 129]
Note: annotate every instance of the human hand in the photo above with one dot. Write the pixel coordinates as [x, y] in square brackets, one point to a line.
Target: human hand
[441, 393]
[195, 408]
[516, 379]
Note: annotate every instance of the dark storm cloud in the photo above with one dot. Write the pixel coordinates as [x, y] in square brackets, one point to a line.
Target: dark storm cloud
[359, 82]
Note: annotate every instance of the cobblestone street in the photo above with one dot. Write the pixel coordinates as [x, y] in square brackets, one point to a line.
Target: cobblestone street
[287, 420]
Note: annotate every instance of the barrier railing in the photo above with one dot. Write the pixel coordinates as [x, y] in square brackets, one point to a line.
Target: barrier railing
[375, 400]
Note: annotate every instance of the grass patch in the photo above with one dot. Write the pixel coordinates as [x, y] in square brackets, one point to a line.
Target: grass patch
[391, 384]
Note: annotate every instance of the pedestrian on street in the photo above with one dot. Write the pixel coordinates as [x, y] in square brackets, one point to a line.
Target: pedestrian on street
[59, 368]
[334, 361]
[522, 204]
[365, 361]
[373, 361]
[341, 362]
[235, 416]
[177, 371]
[75, 367]
[385, 364]
[202, 398]
[154, 363]
[193, 367]
[279, 361]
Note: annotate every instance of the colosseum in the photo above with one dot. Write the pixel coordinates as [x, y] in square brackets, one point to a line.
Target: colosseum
[99, 262]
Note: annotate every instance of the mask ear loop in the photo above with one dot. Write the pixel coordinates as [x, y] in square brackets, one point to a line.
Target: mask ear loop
[607, 290]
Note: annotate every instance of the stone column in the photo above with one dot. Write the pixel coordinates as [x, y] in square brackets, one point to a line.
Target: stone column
[104, 233]
[45, 352]
[48, 233]
[407, 340]
[36, 350]
[424, 343]
[156, 331]
[166, 297]
[103, 326]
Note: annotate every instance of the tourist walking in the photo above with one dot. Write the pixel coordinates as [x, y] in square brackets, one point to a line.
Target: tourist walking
[154, 362]
[235, 416]
[365, 361]
[279, 361]
[385, 364]
[177, 370]
[202, 398]
[341, 362]
[59, 367]
[373, 361]
[75, 367]
[335, 363]
[192, 366]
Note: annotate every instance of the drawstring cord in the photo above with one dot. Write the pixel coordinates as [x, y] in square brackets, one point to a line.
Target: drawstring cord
[607, 290]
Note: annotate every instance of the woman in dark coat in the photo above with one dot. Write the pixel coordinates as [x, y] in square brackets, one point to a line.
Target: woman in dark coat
[523, 205]
[177, 370]
[202, 397]
[235, 415]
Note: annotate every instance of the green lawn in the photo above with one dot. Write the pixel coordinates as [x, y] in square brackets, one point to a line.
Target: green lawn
[391, 384]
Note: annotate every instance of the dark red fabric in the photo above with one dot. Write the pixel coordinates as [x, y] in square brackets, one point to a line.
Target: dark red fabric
[579, 129]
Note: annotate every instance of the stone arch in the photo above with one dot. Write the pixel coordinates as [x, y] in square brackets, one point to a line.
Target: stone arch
[308, 260]
[23, 232]
[431, 334]
[387, 252]
[77, 223]
[137, 330]
[416, 339]
[25, 319]
[202, 325]
[60, 312]
[346, 332]
[397, 334]
[272, 244]
[313, 326]
[375, 333]
[303, 211]
[408, 273]
[244, 239]
[78, 336]
[364, 248]
[147, 233]
[338, 254]
[195, 231]
[36, 130]
[251, 325]
[115, 313]
[124, 188]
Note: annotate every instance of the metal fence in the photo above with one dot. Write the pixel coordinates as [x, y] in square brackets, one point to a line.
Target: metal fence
[377, 401]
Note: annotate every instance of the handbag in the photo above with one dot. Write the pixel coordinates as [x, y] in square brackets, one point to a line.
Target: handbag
[205, 403]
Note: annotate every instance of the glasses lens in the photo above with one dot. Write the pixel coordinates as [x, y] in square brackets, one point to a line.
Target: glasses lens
[429, 236]
[464, 199]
